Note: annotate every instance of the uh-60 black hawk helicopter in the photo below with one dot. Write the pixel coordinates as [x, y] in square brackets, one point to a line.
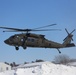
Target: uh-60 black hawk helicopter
[35, 40]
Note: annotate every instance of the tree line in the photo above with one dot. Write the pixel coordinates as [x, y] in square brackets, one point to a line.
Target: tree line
[60, 59]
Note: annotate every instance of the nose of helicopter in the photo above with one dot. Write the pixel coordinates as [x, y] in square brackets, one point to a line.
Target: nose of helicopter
[6, 41]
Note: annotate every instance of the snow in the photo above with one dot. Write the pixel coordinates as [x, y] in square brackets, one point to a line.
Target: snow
[72, 64]
[41, 68]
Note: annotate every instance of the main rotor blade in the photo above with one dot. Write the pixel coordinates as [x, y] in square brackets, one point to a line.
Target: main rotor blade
[10, 28]
[47, 30]
[44, 26]
[17, 29]
[28, 30]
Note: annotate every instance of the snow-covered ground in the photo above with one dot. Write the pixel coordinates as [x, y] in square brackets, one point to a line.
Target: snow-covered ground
[42, 68]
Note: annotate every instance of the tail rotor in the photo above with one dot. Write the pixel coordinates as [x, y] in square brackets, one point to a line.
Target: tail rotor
[69, 34]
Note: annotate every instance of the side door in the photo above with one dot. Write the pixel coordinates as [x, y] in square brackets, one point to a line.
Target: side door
[32, 42]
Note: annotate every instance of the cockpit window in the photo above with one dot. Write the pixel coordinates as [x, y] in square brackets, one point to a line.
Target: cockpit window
[12, 36]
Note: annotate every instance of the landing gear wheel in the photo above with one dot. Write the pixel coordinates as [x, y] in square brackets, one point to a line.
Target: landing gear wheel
[17, 48]
[24, 47]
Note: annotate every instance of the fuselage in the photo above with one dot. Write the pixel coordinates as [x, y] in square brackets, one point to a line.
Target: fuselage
[32, 41]
[35, 40]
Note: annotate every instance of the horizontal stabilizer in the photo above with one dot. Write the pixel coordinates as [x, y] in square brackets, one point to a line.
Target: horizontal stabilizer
[70, 45]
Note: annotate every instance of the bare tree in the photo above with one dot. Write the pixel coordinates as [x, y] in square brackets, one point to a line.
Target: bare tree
[62, 59]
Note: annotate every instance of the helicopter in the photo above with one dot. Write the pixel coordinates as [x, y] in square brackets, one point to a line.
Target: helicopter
[28, 39]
